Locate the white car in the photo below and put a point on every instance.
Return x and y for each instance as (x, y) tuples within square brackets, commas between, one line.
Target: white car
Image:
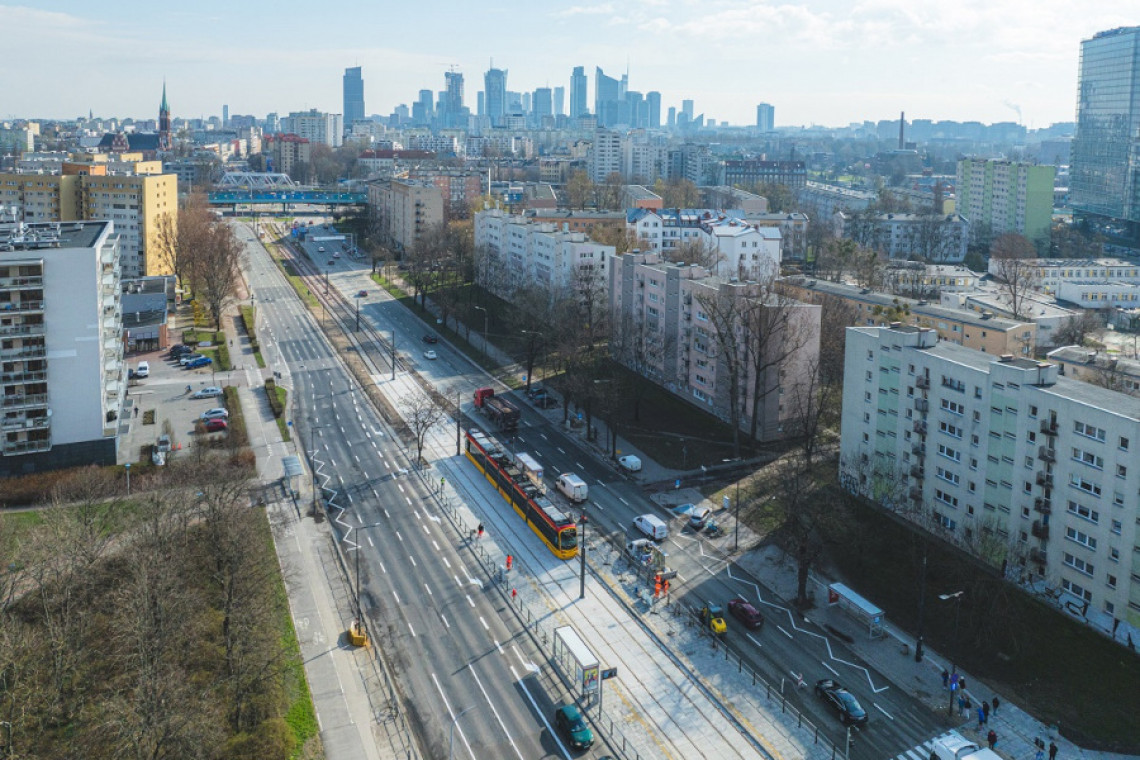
[(217, 413), (208, 392), (430, 354), (320, 249), (630, 463), (143, 370)]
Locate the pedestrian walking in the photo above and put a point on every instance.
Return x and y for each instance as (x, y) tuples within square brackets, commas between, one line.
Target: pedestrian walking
[(480, 530), (991, 737), (962, 705), (962, 683), (981, 718), (945, 678), (1052, 751), (986, 710), (997, 702), (1040, 754)]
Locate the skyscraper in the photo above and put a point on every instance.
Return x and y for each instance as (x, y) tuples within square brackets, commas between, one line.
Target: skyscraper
[(653, 98), (607, 97), (353, 96), (454, 114), (1105, 165), (765, 117), (578, 92), (495, 87), (542, 105), (559, 101)]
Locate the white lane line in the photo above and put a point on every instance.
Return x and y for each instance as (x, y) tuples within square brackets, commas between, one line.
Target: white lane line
[(370, 541), (884, 712), (383, 569), (433, 543), (781, 630), (446, 562), (525, 663), (428, 590), (399, 536), (599, 507), (457, 581), (541, 714), (544, 436), (500, 648), (425, 527), (410, 628), (401, 487), (580, 465), (397, 597), (754, 641), (407, 499), (561, 449), (451, 712), (357, 458), (484, 622), (386, 513), (444, 619), (623, 501), (470, 600), (412, 560), (833, 670), (491, 704)]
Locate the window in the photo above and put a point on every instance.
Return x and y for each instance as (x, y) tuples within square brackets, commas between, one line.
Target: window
[(1079, 564), (1114, 554), (1084, 539), (1084, 512), (973, 463), (1076, 481), (1118, 499), (1087, 457), (1089, 431), (953, 406), (1033, 412), (1123, 443), (948, 476), (1079, 591), (948, 429), (1111, 581), (1121, 471), (971, 487), (945, 521), (949, 453), (1117, 526)]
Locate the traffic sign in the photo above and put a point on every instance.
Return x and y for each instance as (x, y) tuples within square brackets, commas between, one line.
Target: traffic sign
[(609, 673)]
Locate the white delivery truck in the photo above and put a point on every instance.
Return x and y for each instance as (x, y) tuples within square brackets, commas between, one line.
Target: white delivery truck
[(652, 526), (573, 487)]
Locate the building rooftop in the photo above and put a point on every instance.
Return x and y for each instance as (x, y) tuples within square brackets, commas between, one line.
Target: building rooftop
[(38, 235)]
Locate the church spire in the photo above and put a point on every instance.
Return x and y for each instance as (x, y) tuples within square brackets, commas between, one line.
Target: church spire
[(164, 141), (163, 107)]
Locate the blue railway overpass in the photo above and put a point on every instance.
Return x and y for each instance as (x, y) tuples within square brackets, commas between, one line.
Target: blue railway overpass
[(285, 198)]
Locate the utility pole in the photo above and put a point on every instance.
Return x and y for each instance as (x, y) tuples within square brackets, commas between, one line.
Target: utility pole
[(393, 353), (458, 419), (921, 605), (582, 553)]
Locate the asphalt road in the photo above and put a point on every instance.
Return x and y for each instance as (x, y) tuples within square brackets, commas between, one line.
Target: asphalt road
[(442, 631)]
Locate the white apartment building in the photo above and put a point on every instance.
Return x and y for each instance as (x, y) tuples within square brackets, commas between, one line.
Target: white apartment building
[(1032, 472), (662, 329), (644, 160), (521, 252), (316, 126), (743, 251), (62, 376), (1051, 273), (937, 238), (1100, 294), (605, 155)]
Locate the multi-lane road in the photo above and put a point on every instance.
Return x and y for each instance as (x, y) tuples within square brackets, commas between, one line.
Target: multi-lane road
[(424, 594)]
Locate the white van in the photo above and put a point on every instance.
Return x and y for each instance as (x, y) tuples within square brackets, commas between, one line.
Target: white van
[(630, 463), (652, 526), (573, 487), (954, 746), (143, 370)]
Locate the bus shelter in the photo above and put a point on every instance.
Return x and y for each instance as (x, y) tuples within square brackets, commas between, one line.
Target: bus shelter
[(858, 608)]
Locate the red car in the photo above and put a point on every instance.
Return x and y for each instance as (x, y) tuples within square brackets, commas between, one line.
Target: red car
[(213, 426), (743, 611)]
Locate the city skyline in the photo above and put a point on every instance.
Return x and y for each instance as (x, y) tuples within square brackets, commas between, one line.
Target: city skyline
[(826, 62)]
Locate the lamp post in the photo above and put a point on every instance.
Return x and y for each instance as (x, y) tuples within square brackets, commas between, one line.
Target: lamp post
[(458, 419), (957, 597), (736, 538), (921, 605), (582, 553), (358, 312), (451, 732), (128, 466), (486, 318)]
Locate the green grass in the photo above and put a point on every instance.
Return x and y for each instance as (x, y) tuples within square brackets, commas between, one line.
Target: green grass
[(282, 398)]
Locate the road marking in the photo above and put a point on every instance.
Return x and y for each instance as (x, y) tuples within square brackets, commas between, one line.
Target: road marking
[(525, 663), (397, 597), (754, 641), (884, 712), (370, 541), (399, 536), (428, 590), (383, 569), (400, 486), (491, 704), (433, 543), (623, 501), (386, 514), (407, 499), (444, 619), (446, 562), (500, 648), (833, 670), (484, 622), (544, 436), (413, 630), (357, 458), (457, 581), (781, 630), (549, 729), (470, 600), (413, 560), (580, 465), (425, 527), (561, 449)]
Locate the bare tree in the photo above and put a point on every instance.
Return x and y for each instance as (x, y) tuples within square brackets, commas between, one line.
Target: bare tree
[(1074, 330), (677, 193), (800, 506), (216, 270), (579, 189), (181, 236), (1012, 258), (725, 312), (814, 405), (835, 316), (421, 414), (700, 251)]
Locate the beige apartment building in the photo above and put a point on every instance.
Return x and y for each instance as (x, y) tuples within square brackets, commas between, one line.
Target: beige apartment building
[(993, 335), (663, 330), (408, 210), (126, 192)]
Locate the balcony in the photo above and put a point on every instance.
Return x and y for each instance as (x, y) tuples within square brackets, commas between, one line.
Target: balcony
[(21, 283), (918, 450), (24, 352), (916, 494), (1046, 454), (920, 427), (922, 405), (26, 423), (1040, 530), (10, 378), (922, 381), (1049, 427), (1045, 479), (918, 471), (1038, 556), (1043, 505), (26, 447), (21, 307), (23, 402), (22, 329)]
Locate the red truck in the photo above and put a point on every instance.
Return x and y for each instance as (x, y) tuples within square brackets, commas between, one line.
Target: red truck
[(498, 410)]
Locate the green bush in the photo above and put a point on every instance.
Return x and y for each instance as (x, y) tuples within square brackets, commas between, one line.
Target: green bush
[(224, 356), (275, 396), (248, 318), (239, 436)]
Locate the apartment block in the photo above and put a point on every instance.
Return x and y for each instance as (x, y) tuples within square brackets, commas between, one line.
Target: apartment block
[(754, 171), (1030, 471), (522, 252), (1006, 196), (407, 209), (1051, 274), (931, 237), (286, 152), (316, 126), (980, 331), (134, 201), (605, 155), (62, 376), (662, 329)]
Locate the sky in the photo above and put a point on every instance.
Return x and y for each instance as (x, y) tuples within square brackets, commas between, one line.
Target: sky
[(822, 62)]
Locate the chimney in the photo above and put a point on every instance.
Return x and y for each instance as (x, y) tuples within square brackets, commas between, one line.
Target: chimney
[(902, 129)]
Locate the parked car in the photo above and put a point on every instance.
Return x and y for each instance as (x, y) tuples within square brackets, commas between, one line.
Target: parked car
[(742, 610), (217, 413), (699, 516), (430, 338), (211, 391), (536, 391), (179, 350), (569, 720), (362, 294), (158, 458), (201, 361), (187, 358), (851, 713), (163, 443), (143, 370), (546, 401), (320, 249), (216, 425), (430, 354), (630, 463)]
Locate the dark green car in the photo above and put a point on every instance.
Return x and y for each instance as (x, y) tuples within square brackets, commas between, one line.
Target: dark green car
[(571, 723)]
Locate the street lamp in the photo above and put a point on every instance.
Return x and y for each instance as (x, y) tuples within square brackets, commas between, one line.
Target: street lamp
[(582, 553), (957, 597), (486, 318), (128, 466), (451, 732)]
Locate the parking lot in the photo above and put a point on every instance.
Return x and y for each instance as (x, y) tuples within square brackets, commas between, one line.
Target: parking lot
[(164, 393)]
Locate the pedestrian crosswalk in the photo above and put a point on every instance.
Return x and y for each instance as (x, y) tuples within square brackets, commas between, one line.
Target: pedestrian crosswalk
[(922, 751)]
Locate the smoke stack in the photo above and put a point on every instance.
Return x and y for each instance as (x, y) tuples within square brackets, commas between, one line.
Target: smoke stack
[(902, 129)]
